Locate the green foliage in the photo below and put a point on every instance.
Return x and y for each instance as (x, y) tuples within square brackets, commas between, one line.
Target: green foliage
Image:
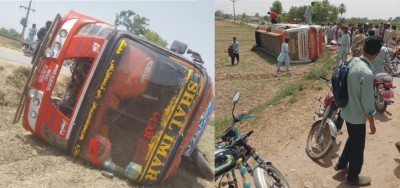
[(277, 7), (325, 12), (155, 37), (342, 9), (219, 13), (288, 90), (137, 25), (133, 22), (323, 67), (244, 18), (10, 33)]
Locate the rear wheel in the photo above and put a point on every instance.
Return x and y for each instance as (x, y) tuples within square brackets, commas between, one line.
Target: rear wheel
[(379, 103), (269, 176), (319, 144)]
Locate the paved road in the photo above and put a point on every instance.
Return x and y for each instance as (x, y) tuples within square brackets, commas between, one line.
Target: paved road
[(14, 56)]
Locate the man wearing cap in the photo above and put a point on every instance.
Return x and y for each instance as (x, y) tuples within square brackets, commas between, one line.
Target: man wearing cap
[(343, 45)]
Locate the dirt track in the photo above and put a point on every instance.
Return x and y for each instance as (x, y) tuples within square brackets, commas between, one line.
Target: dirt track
[(280, 131)]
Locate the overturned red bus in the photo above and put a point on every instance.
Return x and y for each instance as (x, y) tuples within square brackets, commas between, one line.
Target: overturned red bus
[(114, 99), (305, 41)]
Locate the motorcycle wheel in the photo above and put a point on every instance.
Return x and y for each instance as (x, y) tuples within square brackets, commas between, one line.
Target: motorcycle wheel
[(380, 106), (198, 164), (25, 49), (395, 69), (269, 176), (317, 149)]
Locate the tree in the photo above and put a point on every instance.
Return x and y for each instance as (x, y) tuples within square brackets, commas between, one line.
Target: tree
[(277, 7), (244, 18), (342, 9), (133, 22), (219, 13), (137, 25), (155, 37), (257, 15), (293, 13)]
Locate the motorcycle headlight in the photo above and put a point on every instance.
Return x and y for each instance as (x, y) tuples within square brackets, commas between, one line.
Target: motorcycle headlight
[(48, 52)]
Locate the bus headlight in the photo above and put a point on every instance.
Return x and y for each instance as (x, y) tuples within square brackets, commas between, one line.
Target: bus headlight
[(32, 93), (33, 114), (49, 52), (56, 46), (63, 33), (36, 102)]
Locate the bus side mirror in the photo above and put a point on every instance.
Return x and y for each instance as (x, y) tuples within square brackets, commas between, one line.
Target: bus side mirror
[(178, 47)]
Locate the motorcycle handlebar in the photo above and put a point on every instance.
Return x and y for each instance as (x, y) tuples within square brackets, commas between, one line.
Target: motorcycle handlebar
[(244, 144)]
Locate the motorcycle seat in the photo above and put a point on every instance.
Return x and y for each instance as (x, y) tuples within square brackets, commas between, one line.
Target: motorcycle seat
[(384, 77)]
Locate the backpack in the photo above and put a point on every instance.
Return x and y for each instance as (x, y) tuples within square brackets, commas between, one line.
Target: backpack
[(230, 51), (339, 83)]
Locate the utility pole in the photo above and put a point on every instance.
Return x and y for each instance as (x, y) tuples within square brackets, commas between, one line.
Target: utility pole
[(234, 15), (28, 9)]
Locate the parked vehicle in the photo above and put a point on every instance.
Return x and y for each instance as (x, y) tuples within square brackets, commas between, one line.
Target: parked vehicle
[(119, 101), (322, 136), (383, 83), (28, 48), (233, 152), (394, 62)]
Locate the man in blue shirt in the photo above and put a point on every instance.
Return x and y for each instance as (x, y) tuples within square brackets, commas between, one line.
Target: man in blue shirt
[(359, 109)]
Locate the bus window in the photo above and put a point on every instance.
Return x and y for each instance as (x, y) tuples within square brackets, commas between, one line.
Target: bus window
[(69, 83)]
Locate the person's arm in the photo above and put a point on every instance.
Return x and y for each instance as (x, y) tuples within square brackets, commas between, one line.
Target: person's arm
[(367, 92), (372, 127)]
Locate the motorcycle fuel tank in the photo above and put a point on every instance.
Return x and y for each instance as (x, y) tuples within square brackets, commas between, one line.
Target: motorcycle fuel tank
[(225, 160)]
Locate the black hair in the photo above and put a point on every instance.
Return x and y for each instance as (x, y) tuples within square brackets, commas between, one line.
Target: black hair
[(394, 27), (286, 39), (312, 3), (268, 13), (361, 30), (371, 33), (373, 45), (234, 37), (48, 23)]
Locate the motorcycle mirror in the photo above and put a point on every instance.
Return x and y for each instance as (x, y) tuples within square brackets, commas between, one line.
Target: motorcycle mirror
[(235, 98)]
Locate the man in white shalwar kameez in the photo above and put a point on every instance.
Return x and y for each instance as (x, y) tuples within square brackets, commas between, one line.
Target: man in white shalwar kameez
[(309, 13), (284, 55), (343, 46)]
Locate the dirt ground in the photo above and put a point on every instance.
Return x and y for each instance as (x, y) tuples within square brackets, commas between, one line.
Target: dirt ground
[(280, 131), (26, 161)]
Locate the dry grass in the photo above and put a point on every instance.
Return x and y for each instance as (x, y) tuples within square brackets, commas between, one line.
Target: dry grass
[(9, 43)]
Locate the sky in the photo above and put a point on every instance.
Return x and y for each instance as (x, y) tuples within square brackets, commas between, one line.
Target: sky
[(372, 9), (189, 21)]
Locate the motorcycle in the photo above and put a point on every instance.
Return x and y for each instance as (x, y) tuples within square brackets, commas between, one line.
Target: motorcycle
[(322, 136), (383, 83), (233, 152), (394, 62), (28, 48)]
